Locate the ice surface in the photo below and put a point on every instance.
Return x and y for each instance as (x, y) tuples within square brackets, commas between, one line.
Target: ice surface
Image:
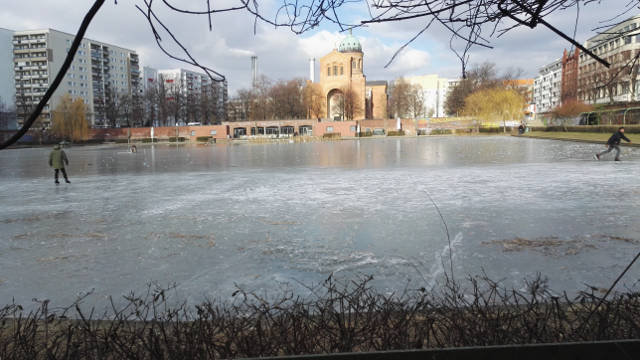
[(210, 218)]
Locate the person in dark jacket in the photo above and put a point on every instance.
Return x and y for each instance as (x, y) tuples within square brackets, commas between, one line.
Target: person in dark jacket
[(57, 160), (613, 144)]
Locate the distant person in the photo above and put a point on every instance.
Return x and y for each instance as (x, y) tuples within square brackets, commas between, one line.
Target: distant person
[(521, 129), (134, 148), (57, 160), (613, 143)]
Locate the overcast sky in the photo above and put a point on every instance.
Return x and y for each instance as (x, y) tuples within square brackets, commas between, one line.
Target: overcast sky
[(284, 55)]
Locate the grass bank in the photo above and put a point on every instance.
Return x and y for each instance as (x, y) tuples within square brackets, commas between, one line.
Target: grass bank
[(591, 137)]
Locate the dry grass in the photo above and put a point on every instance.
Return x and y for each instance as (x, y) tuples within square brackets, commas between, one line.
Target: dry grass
[(338, 317)]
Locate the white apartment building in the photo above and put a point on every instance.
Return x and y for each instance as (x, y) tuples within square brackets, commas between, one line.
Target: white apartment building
[(97, 68), (435, 90), (618, 45), (547, 87), (149, 78), (187, 80), (7, 84), (191, 87)]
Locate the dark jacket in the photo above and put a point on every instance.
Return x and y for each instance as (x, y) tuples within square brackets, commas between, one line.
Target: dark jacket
[(616, 137), (57, 158)]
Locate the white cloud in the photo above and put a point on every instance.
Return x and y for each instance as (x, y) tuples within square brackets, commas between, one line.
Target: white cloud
[(283, 55)]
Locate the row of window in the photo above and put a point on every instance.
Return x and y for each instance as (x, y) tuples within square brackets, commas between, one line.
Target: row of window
[(31, 55), (33, 72), (339, 69), (335, 70), (29, 37), (612, 45), (27, 46)]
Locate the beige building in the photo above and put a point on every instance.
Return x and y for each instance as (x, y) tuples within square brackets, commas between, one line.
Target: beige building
[(434, 93), (618, 45), (345, 86)]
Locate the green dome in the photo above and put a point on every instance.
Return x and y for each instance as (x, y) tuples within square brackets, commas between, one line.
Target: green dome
[(350, 44)]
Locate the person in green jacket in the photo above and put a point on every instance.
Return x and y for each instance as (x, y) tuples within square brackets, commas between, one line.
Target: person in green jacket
[(57, 160)]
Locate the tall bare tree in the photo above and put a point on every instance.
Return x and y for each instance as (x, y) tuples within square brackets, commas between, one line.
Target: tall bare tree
[(314, 101), (287, 99), (469, 22), (352, 103)]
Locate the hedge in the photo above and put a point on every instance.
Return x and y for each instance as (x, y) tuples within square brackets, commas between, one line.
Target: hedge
[(331, 136), (364, 134), (149, 140), (496, 129), (589, 128), (177, 139), (395, 133), (441, 132), (204, 138)]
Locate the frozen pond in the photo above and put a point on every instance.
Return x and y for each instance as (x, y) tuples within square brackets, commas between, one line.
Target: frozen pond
[(210, 218)]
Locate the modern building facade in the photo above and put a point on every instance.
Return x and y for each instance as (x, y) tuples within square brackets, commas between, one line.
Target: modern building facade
[(434, 91), (194, 96), (547, 87), (98, 69), (619, 83), (7, 83)]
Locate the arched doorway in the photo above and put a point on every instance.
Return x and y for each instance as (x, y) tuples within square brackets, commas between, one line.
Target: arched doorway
[(335, 105)]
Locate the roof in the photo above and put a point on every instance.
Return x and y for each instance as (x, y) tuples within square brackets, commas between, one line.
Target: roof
[(376, 83), (350, 44)]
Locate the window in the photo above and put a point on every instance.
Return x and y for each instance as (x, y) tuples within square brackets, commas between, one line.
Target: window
[(341, 70), (329, 129), (335, 70), (352, 128), (627, 40), (213, 132), (193, 133)]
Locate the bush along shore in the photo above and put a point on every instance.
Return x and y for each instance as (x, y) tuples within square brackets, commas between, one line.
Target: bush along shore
[(339, 317)]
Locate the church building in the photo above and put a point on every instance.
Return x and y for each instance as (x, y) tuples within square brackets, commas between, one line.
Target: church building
[(348, 94)]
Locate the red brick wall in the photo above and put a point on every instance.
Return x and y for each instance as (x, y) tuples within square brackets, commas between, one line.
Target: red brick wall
[(342, 127), (161, 132)]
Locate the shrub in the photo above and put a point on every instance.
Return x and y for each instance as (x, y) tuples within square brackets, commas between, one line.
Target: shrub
[(149, 140), (396, 133), (364, 134), (494, 129), (204, 138), (121, 141), (177, 139), (331, 136), (441, 132), (336, 316)]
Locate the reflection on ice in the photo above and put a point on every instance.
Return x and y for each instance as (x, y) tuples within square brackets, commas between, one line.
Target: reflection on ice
[(213, 218)]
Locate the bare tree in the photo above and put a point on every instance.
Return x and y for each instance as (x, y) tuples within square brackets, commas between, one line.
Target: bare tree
[(469, 22), (314, 101), (111, 105), (287, 99), (481, 76), (352, 104), (416, 101), (262, 105)]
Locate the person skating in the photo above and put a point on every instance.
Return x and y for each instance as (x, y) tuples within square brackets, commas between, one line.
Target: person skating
[(614, 144), (57, 160)]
